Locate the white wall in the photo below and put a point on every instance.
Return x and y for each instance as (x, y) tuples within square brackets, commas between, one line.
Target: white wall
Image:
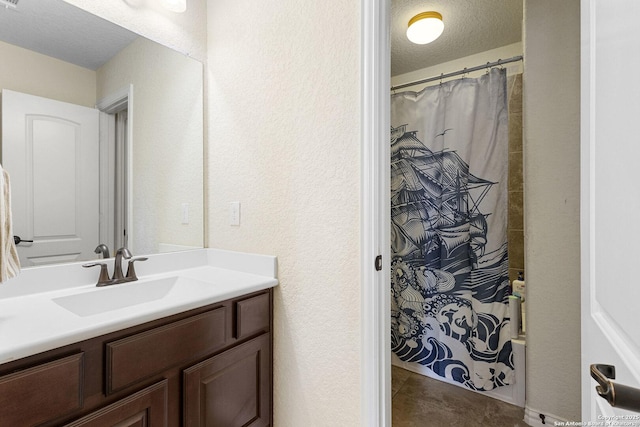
[(23, 70), (167, 120), (551, 101), (284, 120)]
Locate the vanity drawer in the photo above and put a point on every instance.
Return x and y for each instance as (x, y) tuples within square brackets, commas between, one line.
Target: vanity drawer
[(147, 407), (142, 355), (252, 316), (44, 392)]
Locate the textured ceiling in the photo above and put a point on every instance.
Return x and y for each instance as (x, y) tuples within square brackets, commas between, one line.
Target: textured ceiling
[(58, 29), (471, 26), (63, 31)]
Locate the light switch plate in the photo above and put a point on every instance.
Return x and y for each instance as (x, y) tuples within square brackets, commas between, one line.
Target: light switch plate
[(185, 213), (234, 213)]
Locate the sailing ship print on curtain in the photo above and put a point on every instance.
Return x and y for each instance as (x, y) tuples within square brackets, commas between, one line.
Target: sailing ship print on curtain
[(449, 289)]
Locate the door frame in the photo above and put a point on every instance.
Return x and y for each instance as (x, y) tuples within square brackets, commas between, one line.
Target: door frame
[(375, 383), (119, 100), (586, 187)]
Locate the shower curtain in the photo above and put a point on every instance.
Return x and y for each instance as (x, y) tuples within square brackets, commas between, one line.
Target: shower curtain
[(450, 284)]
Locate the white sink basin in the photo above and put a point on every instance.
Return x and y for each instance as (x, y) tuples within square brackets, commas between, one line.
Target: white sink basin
[(114, 297)]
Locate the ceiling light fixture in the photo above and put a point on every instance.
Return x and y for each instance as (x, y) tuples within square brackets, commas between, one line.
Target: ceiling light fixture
[(178, 6), (425, 27)]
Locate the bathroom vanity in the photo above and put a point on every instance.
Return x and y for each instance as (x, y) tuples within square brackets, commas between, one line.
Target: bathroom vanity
[(207, 362)]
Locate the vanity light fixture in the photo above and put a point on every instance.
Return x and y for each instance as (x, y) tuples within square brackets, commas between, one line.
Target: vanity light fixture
[(425, 27), (9, 4), (178, 6)]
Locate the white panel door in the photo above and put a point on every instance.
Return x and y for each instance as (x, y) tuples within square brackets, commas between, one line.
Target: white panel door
[(50, 149), (610, 205)]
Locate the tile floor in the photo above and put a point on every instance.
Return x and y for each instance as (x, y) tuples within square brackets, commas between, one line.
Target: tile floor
[(419, 401)]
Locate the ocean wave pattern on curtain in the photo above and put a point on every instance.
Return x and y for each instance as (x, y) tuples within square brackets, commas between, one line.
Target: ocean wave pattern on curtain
[(450, 284)]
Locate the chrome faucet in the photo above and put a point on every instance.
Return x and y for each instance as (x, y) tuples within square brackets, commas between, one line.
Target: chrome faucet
[(117, 277)]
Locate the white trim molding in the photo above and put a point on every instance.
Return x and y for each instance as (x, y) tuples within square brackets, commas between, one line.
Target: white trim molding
[(537, 419), (375, 228), (111, 104)]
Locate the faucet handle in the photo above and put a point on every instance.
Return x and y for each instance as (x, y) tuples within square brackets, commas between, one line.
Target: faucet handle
[(103, 279), (131, 272)]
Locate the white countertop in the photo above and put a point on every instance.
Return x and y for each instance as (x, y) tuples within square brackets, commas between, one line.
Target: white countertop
[(32, 322)]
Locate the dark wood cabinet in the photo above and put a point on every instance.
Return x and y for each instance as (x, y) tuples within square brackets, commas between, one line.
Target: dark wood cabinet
[(49, 390), (146, 408), (231, 389), (139, 356), (211, 366)]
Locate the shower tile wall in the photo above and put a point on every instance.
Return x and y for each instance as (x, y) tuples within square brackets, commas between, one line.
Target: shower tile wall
[(515, 226)]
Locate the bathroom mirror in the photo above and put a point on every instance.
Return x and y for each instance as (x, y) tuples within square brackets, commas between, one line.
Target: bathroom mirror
[(153, 98)]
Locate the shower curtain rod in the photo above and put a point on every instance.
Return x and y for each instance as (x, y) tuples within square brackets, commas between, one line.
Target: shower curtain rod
[(457, 73)]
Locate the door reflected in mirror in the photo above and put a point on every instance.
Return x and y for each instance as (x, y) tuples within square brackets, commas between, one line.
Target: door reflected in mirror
[(145, 181)]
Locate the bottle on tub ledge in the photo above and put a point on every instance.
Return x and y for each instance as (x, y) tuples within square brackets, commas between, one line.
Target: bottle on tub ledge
[(519, 291)]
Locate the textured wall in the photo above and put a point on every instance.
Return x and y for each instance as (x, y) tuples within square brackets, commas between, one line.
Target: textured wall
[(184, 32), (552, 205), (29, 72), (284, 140)]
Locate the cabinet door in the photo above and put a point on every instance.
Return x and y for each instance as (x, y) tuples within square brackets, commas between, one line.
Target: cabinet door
[(42, 393), (146, 408), (231, 389)]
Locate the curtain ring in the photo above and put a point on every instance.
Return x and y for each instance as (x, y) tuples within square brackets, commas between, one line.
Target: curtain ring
[(464, 73), (441, 75)]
